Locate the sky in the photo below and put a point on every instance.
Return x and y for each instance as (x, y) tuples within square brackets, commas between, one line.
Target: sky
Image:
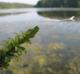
[(21, 1)]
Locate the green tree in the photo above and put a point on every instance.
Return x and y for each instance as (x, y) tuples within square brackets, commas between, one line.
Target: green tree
[(58, 3)]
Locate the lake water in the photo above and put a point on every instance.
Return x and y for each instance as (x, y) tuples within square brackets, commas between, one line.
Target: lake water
[(57, 43)]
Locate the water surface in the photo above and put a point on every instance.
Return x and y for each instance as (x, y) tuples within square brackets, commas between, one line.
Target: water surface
[(57, 43)]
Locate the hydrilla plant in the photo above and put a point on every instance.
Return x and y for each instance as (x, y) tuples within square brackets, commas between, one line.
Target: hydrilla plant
[(12, 47)]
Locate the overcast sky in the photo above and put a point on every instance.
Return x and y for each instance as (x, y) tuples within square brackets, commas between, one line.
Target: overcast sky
[(21, 1)]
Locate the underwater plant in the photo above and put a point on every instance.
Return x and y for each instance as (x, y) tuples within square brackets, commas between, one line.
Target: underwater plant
[(12, 46)]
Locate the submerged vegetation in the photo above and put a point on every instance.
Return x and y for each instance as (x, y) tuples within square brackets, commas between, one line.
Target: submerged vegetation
[(55, 59), (12, 47)]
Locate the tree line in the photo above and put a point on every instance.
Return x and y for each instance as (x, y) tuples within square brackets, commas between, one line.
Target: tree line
[(58, 3), (13, 5)]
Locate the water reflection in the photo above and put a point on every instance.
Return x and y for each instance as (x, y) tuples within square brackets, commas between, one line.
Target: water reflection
[(8, 14), (60, 14)]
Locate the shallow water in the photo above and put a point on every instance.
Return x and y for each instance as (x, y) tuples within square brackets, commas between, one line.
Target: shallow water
[(56, 38)]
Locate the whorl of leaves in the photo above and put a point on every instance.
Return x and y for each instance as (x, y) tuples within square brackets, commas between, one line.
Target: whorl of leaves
[(12, 47)]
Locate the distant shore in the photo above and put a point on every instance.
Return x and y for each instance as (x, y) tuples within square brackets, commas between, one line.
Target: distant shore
[(7, 5)]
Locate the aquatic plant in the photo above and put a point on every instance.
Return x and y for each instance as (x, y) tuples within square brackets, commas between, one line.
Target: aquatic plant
[(12, 47)]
